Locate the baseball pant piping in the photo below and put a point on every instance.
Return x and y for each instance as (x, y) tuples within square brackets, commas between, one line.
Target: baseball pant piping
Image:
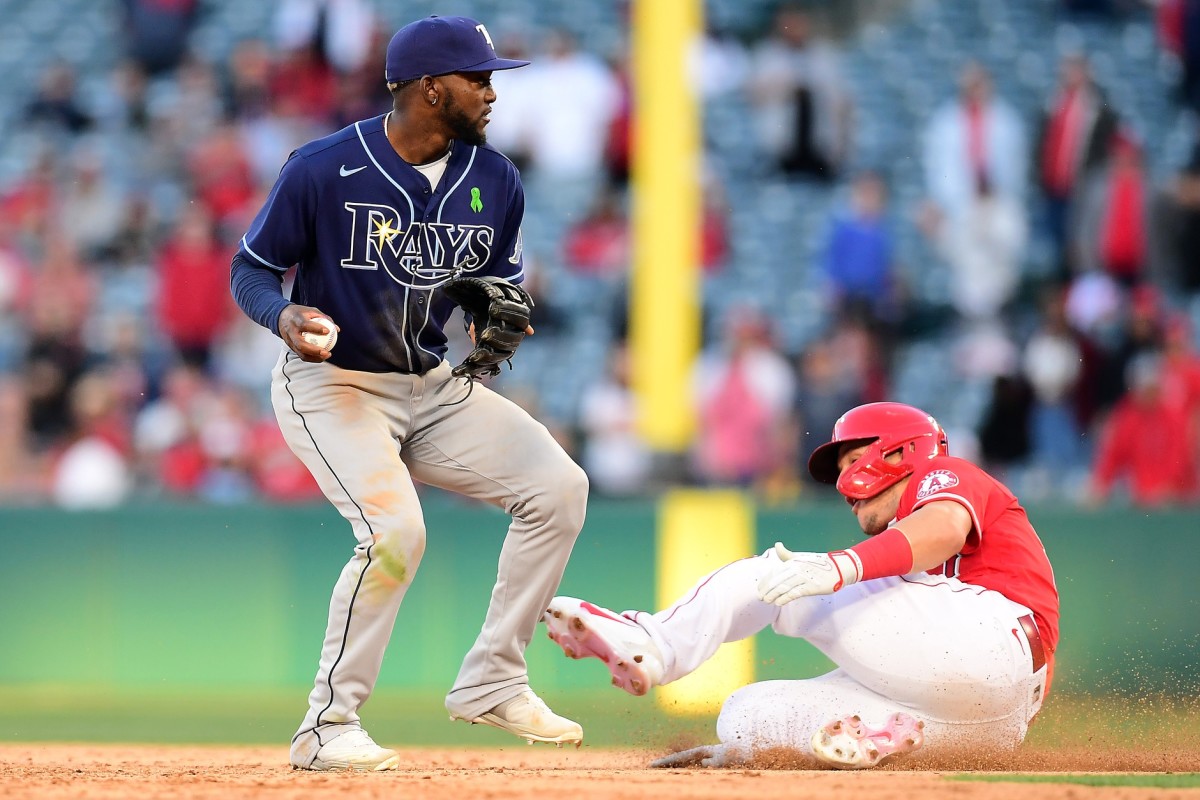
[(359, 469), (315, 729)]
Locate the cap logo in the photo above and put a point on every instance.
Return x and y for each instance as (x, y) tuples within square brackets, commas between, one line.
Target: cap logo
[(442, 45), (936, 481)]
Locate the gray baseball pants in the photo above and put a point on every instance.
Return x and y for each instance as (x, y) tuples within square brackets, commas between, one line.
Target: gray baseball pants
[(365, 437)]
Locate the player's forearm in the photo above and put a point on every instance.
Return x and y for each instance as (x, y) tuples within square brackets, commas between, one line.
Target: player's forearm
[(258, 292), (928, 537), (935, 532)]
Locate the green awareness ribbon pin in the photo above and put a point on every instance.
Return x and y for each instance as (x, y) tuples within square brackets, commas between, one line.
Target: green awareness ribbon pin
[(476, 203)]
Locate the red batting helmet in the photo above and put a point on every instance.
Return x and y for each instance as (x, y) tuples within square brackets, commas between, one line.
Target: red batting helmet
[(891, 428)]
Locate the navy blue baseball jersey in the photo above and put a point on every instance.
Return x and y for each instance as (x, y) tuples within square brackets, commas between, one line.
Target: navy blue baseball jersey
[(373, 242)]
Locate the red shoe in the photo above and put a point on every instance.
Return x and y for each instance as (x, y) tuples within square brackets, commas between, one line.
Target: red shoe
[(584, 630), (849, 744)]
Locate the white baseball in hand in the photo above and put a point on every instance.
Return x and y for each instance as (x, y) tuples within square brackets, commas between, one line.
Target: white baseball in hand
[(326, 340)]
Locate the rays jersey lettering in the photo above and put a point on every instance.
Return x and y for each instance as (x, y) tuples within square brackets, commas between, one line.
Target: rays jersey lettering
[(419, 255), (372, 241)]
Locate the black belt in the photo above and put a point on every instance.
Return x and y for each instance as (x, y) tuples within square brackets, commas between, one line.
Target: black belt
[(1037, 650)]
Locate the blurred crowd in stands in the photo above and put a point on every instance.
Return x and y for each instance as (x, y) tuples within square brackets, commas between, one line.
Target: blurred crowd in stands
[(127, 372)]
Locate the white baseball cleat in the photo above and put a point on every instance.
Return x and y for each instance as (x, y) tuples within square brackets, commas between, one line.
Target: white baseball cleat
[(584, 630), (847, 743), (355, 751), (528, 716)]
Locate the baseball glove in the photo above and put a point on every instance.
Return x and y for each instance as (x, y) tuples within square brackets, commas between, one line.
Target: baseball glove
[(500, 311)]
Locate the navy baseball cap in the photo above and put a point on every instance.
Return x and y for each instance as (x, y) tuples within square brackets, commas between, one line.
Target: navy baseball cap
[(441, 45)]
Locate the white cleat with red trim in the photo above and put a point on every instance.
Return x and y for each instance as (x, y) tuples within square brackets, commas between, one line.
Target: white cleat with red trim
[(584, 630), (848, 743)]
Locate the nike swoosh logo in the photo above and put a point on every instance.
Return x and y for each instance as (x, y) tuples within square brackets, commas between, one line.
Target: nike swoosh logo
[(600, 612), (346, 173)]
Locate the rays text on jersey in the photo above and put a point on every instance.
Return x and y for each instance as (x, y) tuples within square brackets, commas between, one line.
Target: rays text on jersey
[(421, 255)]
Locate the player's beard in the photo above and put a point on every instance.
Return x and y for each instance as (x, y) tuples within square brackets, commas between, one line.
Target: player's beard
[(873, 523), (462, 127), (875, 514)]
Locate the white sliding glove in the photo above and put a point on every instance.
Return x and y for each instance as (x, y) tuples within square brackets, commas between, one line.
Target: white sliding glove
[(805, 574)]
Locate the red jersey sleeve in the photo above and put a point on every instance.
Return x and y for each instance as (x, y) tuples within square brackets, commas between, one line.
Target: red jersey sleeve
[(1003, 552), (958, 481)]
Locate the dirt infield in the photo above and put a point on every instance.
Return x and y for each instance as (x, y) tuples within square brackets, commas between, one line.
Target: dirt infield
[(101, 772)]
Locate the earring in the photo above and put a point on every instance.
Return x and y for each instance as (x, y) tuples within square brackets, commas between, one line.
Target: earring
[(433, 101)]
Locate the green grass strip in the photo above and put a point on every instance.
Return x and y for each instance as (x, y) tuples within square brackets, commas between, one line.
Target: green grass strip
[(1174, 780), (269, 716)]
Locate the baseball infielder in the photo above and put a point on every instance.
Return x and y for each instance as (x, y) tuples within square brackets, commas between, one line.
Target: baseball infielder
[(377, 218), (943, 623)]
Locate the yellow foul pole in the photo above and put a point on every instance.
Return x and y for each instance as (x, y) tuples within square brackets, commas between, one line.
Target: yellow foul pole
[(698, 531), (665, 288)]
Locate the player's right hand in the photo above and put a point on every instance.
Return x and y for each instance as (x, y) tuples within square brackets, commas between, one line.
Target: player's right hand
[(295, 320), (803, 575)]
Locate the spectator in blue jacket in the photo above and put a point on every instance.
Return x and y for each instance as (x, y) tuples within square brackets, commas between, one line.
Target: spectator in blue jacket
[(859, 261)]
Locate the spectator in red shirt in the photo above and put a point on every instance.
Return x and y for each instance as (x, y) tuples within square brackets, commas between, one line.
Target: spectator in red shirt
[(193, 301), (1181, 377), (278, 475), (744, 391), (222, 174), (618, 146), (1113, 219), (27, 206), (1181, 365), (303, 80), (1144, 442), (1073, 140), (166, 432), (599, 244)]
